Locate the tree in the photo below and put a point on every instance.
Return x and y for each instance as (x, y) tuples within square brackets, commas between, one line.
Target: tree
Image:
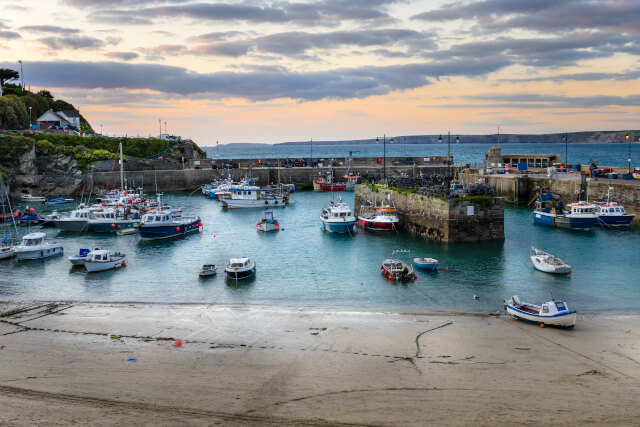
[(7, 74)]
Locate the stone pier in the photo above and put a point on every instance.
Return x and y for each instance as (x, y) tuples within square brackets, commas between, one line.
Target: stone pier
[(472, 219)]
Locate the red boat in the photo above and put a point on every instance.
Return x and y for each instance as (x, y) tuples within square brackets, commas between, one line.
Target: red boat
[(16, 214), (383, 217)]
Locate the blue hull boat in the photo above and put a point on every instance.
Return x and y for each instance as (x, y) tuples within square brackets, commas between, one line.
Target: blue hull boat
[(162, 226), (339, 227)]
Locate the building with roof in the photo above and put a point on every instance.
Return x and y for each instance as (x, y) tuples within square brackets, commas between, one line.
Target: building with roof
[(64, 119)]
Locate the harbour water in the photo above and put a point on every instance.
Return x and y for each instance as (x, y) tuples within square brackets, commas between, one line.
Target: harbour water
[(303, 266), (603, 154)]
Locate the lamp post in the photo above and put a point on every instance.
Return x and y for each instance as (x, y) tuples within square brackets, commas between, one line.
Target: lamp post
[(629, 158), (384, 154), (30, 117), (21, 75), (311, 155), (216, 148), (566, 150)]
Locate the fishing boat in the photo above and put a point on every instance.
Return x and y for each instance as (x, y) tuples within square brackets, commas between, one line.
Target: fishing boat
[(33, 246), (76, 221), (253, 198), (103, 260), (396, 269), (57, 201), (10, 216), (555, 313), (268, 222), (30, 198), (548, 263), (49, 219), (378, 218), (207, 270), (80, 257), (612, 214), (240, 268), (338, 218), (107, 221), (580, 216), (165, 225), (426, 263)]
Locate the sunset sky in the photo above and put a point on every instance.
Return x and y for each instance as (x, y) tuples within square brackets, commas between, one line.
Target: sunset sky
[(277, 71)]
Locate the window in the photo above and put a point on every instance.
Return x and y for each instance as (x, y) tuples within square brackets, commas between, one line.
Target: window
[(560, 306), (545, 309)]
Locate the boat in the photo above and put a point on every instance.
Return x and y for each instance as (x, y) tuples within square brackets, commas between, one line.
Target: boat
[(426, 263), (268, 222), (548, 263), (30, 198), (103, 260), (49, 220), (80, 257), (107, 221), (126, 231), (396, 269), (580, 216), (6, 251), (207, 270), (253, 198), (76, 221), (612, 214), (378, 218), (9, 217), (33, 246), (165, 225), (338, 218), (57, 201), (554, 313), (240, 268)]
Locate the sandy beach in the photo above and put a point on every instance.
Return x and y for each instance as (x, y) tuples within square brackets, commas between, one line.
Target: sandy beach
[(117, 363)]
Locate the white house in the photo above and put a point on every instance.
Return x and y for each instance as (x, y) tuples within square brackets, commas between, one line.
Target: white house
[(60, 119)]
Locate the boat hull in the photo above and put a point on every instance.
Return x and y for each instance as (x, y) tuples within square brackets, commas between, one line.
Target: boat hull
[(6, 252), (239, 275), (77, 259), (332, 187), (37, 253), (565, 320), (240, 203), (267, 226), (369, 224), (112, 264), (564, 221), (615, 220), (156, 232), (338, 227), (73, 225), (539, 265), (112, 226), (425, 265)]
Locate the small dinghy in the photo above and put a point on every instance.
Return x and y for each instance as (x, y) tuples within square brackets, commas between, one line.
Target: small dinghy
[(396, 269), (125, 231), (426, 263), (207, 270), (80, 257), (57, 201), (548, 263), (553, 313), (103, 260)]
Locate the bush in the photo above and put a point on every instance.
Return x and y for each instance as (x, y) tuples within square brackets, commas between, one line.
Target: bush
[(44, 148)]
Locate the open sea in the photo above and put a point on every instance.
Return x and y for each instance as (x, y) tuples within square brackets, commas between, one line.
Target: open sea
[(303, 266)]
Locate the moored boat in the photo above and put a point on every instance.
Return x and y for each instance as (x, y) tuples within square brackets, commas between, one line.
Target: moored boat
[(207, 270), (79, 258), (76, 221), (57, 201), (33, 246), (397, 269), (107, 221), (30, 198), (378, 218), (426, 263), (240, 268), (103, 260), (612, 214), (555, 313), (253, 198), (164, 225), (268, 222), (548, 263), (338, 218), (580, 216)]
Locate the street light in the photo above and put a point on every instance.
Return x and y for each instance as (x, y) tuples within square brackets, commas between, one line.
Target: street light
[(30, 117), (21, 74), (384, 145), (629, 158), (216, 148), (566, 152)]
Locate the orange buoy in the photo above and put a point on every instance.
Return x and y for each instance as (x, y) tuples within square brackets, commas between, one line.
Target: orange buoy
[(124, 263), (542, 325), (390, 277), (177, 343)]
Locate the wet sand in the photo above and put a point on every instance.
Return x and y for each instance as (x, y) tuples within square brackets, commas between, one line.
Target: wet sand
[(68, 363)]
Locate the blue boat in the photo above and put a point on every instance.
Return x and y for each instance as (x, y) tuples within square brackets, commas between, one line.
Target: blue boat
[(57, 201), (613, 215), (581, 215), (163, 225), (338, 218), (426, 263)]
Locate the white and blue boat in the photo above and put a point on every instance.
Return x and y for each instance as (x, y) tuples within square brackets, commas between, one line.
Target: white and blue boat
[(613, 215), (338, 218), (164, 225), (253, 197), (57, 201), (426, 263), (554, 313), (580, 216), (107, 221)]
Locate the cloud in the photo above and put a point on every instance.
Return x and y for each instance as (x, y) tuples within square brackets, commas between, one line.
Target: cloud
[(257, 85), (543, 101), (593, 76), (125, 56), (76, 42), (158, 52), (50, 29), (9, 35)]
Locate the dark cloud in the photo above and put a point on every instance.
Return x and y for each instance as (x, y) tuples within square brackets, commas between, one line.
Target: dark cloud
[(76, 42), (594, 76), (542, 15), (9, 35), (216, 36), (256, 85), (125, 56), (50, 29), (540, 101)]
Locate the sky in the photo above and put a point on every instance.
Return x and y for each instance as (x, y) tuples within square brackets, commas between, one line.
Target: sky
[(276, 71)]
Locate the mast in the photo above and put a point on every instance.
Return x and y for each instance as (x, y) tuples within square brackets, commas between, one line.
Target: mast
[(121, 169)]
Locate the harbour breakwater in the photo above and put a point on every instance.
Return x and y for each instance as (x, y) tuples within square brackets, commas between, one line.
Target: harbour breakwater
[(470, 219)]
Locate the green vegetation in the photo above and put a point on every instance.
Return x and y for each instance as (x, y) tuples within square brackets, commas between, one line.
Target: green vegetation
[(403, 190), (483, 201)]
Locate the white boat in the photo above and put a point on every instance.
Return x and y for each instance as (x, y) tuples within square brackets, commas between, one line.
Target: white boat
[(102, 260), (554, 313), (240, 268), (268, 223), (396, 269), (253, 198), (6, 251), (80, 257), (426, 263), (30, 198), (338, 218), (33, 246), (207, 270), (548, 263), (126, 231), (76, 221)]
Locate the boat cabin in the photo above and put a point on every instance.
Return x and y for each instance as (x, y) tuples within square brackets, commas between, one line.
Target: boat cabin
[(610, 209), (99, 255), (79, 214), (33, 239), (239, 262), (554, 307), (582, 208), (156, 218), (105, 214), (341, 210)]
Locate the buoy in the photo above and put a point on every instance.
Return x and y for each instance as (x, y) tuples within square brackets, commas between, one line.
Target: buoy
[(124, 263), (415, 276), (542, 325), (113, 225), (119, 227), (177, 228), (214, 235), (115, 267), (200, 224), (390, 277), (177, 343)]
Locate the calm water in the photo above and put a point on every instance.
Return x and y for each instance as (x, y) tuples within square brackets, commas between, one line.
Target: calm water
[(302, 266), (604, 154)]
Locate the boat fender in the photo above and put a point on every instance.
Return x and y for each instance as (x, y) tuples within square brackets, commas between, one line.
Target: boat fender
[(542, 325), (177, 228), (390, 277), (124, 263), (415, 277)]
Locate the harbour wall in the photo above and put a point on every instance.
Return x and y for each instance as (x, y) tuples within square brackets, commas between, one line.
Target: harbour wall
[(302, 177), (451, 220), (523, 189)]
